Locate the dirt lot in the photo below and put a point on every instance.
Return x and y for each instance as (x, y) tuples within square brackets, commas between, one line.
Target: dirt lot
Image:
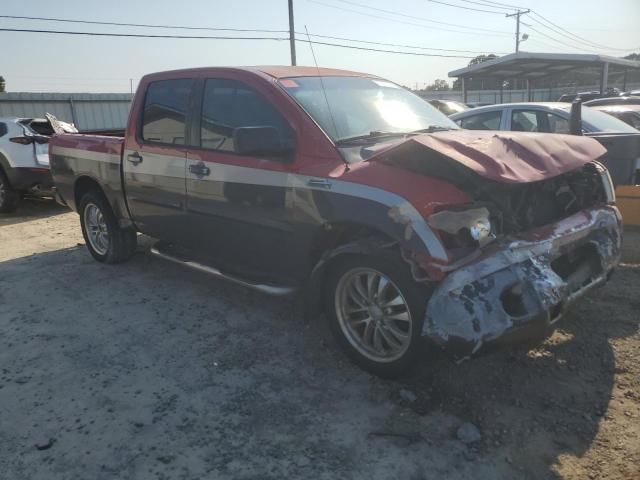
[(146, 370)]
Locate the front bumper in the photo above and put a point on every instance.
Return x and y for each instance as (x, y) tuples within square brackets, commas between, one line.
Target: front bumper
[(521, 285)]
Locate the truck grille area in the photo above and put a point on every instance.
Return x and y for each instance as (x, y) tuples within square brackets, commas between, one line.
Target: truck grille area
[(519, 208)]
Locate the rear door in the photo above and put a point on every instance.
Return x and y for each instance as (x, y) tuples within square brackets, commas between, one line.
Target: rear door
[(239, 206), (154, 162)]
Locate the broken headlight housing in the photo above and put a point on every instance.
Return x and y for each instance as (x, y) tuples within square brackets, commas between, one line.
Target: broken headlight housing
[(463, 230), (607, 183)]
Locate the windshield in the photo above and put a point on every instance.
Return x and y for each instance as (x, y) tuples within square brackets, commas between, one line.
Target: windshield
[(603, 122), (359, 107)]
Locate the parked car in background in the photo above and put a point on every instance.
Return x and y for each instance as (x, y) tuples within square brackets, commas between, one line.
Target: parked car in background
[(448, 107), (548, 117), (584, 96), (621, 139), (477, 104), (629, 113), (622, 100), (24, 160), (356, 192)]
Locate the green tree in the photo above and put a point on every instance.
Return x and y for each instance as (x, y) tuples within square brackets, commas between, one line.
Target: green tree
[(2, 84), (438, 85)]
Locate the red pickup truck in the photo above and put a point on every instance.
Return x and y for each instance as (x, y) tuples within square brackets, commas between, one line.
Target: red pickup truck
[(354, 191)]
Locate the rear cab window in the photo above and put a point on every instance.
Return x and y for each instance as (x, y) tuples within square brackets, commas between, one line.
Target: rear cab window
[(230, 104), (164, 117)]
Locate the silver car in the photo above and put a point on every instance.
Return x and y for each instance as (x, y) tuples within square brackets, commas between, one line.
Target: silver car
[(547, 117)]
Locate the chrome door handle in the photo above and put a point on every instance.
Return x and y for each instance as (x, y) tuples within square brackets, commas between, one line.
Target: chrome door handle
[(319, 182), (134, 158)]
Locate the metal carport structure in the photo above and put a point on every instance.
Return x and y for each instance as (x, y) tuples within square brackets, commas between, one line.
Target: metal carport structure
[(536, 66)]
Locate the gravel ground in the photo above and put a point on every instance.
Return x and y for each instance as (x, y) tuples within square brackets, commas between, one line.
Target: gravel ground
[(146, 370)]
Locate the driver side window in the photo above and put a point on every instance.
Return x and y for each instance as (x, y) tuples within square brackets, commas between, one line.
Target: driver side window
[(229, 104)]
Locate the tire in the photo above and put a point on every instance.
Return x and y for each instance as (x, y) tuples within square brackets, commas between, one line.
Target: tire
[(9, 198), (105, 239), (395, 310)]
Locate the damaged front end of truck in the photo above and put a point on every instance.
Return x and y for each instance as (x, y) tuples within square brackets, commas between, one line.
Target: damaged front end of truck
[(540, 231)]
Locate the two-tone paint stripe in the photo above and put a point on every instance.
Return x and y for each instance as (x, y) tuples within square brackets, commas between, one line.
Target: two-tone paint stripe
[(221, 172)]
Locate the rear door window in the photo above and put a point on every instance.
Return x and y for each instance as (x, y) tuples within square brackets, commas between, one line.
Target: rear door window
[(526, 121), (229, 104), (483, 121), (558, 124), (165, 111)]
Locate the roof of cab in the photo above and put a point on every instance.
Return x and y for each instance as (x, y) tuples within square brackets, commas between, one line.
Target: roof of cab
[(283, 71), (274, 71)]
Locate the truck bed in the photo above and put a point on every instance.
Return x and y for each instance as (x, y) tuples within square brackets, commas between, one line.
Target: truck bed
[(87, 158)]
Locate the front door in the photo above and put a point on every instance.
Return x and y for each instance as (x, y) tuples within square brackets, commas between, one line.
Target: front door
[(239, 207), (154, 163)]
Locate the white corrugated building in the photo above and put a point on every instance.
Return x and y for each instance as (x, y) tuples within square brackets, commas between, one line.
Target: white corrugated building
[(88, 111)]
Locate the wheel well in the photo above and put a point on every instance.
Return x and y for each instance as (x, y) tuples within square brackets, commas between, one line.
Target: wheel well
[(333, 235), (84, 185)]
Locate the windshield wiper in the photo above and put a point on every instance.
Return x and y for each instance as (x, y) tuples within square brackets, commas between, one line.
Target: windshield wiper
[(370, 135), (381, 134), (431, 129)]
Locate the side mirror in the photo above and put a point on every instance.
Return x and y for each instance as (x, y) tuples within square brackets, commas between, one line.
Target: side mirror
[(260, 141)]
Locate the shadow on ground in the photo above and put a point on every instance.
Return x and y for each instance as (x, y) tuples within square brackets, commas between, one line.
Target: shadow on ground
[(146, 370), (32, 208)]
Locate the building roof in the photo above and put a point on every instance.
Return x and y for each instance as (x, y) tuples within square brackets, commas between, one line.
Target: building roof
[(538, 65)]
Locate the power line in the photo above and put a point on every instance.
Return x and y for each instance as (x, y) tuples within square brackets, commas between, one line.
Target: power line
[(381, 50), (484, 4), (139, 35), (397, 44), (582, 40), (554, 26), (145, 25), (561, 42), (465, 8), (202, 37), (415, 17), (487, 33)]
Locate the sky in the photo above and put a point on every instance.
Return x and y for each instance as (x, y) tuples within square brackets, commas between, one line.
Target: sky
[(39, 62)]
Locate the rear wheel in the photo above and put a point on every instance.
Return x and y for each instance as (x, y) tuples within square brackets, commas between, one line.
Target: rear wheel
[(106, 240), (9, 198), (376, 311)]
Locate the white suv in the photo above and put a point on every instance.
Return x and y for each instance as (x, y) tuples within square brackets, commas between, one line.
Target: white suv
[(24, 160)]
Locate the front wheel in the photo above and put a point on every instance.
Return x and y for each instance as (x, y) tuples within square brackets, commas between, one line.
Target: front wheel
[(106, 240), (376, 311)]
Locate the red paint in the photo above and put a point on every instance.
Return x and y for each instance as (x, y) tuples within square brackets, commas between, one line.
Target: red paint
[(508, 157), (504, 157)]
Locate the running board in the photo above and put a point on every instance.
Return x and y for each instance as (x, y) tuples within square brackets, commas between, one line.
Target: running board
[(268, 289)]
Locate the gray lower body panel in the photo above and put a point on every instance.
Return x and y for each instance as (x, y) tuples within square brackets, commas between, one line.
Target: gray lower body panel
[(524, 284)]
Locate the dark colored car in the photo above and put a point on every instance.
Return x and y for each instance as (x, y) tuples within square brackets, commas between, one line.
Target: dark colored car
[(356, 193), (584, 96), (448, 107), (624, 100), (628, 113)]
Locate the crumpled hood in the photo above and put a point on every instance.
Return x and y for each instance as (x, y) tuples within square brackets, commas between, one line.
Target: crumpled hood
[(509, 157)]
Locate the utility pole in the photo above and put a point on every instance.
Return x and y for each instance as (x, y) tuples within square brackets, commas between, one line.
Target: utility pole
[(517, 15), (292, 34)]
